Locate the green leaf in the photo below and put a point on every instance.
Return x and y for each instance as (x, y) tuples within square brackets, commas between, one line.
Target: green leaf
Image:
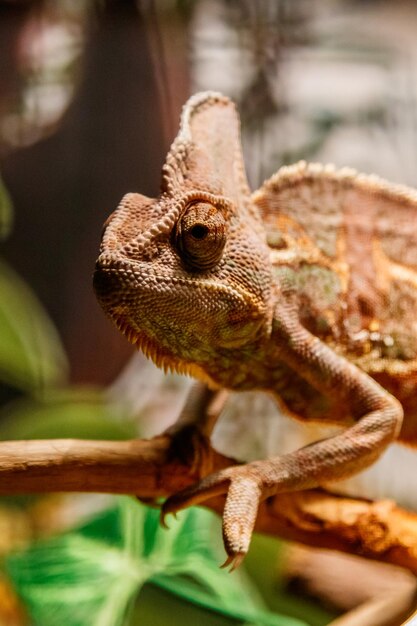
[(31, 354), (75, 581), (81, 413), (6, 212), (92, 575)]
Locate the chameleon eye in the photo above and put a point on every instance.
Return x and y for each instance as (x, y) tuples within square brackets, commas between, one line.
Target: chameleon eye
[(201, 236)]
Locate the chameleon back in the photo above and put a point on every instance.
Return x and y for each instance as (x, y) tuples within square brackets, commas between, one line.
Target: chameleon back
[(349, 244)]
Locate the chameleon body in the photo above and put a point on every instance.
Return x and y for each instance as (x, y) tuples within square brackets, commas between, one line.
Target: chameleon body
[(305, 289)]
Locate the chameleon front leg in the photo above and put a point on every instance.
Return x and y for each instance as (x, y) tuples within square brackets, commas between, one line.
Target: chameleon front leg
[(190, 434), (377, 416)]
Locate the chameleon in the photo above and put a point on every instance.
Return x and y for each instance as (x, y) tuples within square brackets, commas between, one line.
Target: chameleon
[(305, 289)]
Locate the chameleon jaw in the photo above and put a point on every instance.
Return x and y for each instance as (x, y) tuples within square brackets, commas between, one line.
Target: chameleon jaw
[(160, 356)]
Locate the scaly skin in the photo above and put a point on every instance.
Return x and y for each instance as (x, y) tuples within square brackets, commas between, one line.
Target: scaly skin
[(306, 289)]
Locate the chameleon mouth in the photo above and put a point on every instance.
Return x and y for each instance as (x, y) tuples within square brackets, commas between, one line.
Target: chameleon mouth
[(160, 356)]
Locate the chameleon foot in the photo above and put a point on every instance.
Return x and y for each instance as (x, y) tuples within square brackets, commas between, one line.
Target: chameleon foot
[(191, 447), (243, 487)]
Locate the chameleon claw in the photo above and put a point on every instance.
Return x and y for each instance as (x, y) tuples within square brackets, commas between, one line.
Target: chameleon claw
[(162, 520), (237, 560), (233, 560), (164, 514), (227, 562)]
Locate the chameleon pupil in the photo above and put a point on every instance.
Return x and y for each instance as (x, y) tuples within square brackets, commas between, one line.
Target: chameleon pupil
[(199, 231)]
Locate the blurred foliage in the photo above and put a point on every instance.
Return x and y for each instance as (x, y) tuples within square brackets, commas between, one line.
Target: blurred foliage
[(32, 357), (31, 354), (69, 412), (91, 575)]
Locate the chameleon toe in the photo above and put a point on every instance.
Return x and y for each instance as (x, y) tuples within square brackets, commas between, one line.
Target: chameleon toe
[(233, 561)]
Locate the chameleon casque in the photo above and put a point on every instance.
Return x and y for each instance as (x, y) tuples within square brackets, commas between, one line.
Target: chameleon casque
[(305, 289)]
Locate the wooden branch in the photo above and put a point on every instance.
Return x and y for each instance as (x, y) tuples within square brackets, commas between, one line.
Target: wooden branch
[(377, 530)]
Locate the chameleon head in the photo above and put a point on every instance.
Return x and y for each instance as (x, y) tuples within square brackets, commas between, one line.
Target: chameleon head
[(184, 279), (187, 276)]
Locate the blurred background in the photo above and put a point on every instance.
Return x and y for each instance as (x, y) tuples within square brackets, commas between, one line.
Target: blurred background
[(90, 98)]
